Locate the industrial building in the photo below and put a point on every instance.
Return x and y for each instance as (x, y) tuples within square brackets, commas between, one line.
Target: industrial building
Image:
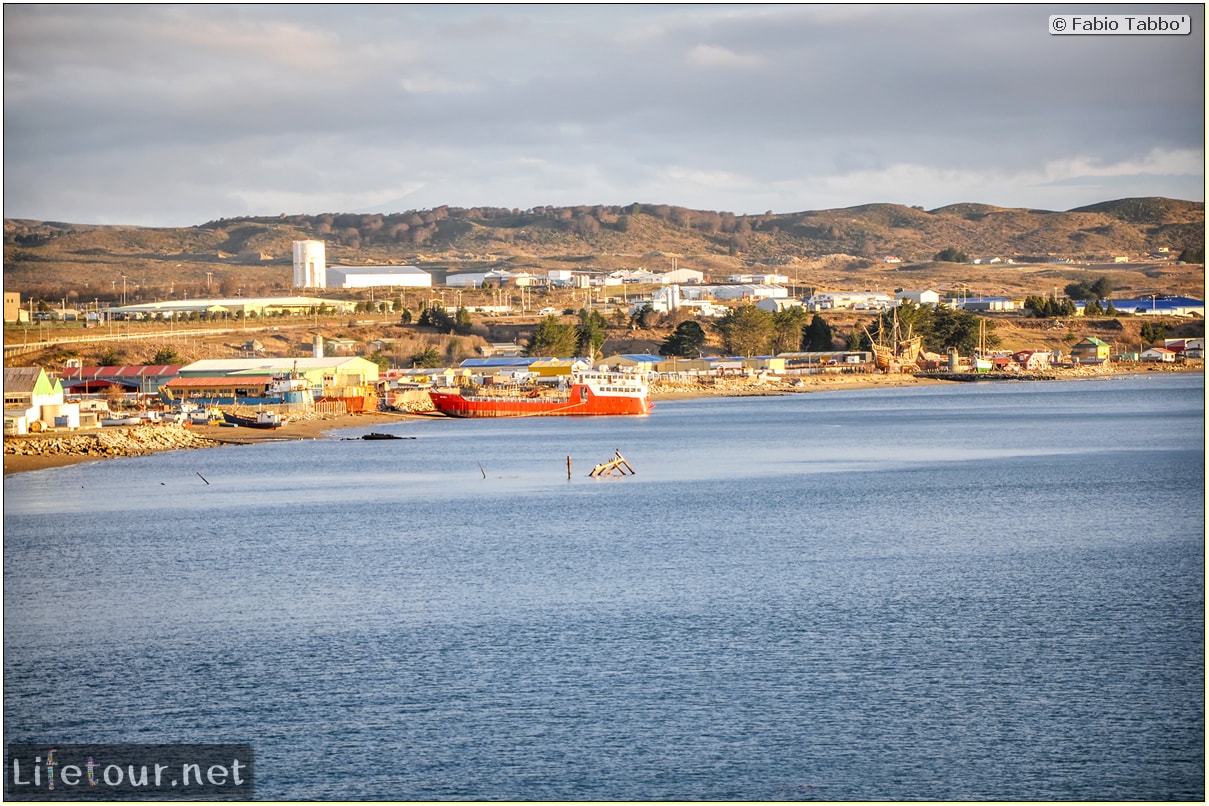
[(239, 306), (378, 276), (321, 372)]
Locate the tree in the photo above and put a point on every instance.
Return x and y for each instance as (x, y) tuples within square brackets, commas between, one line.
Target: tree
[(959, 330), (951, 255), (746, 330), (1193, 255), (818, 337), (686, 340), (111, 357), (461, 322), (552, 338), (1100, 288), (426, 358), (437, 317), (166, 356), (590, 333), (380, 359), (644, 317), (1153, 332), (788, 325)]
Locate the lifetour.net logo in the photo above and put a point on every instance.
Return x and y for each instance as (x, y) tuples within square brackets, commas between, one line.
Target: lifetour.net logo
[(74, 772)]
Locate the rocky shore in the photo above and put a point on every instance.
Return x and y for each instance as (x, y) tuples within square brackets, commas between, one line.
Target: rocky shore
[(28, 452), (123, 441)]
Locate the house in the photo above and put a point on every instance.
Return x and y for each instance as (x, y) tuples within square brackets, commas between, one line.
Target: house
[(1189, 348), (1090, 351), (1160, 354), (1033, 360), (12, 308), (32, 401), (341, 346)]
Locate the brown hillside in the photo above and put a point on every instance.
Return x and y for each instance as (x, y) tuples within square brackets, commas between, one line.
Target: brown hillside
[(822, 248)]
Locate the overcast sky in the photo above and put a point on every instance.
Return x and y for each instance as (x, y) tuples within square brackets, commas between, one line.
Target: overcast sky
[(177, 115)]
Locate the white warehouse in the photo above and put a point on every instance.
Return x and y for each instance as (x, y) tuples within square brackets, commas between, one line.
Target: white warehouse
[(375, 276)]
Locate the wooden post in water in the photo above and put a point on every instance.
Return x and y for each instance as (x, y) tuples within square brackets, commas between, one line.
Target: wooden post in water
[(568, 467)]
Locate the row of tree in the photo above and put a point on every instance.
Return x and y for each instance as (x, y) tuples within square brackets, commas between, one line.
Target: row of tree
[(745, 330)]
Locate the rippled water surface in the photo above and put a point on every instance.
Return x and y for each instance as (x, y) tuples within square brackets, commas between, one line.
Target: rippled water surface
[(959, 592)]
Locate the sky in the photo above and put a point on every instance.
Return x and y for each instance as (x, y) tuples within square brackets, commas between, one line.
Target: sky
[(165, 116)]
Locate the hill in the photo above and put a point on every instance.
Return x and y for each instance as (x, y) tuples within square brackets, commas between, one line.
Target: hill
[(252, 255)]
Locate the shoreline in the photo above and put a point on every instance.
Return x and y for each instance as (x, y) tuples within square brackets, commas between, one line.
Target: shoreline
[(319, 427)]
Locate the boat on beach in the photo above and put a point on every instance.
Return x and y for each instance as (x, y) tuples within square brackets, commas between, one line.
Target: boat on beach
[(116, 419), (263, 419), (590, 392)]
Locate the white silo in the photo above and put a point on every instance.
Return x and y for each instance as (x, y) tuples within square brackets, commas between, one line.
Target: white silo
[(317, 348), (310, 264)]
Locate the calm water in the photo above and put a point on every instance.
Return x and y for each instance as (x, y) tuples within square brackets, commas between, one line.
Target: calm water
[(960, 592)]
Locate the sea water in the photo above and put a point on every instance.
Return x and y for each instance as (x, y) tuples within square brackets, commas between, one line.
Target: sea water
[(965, 592)]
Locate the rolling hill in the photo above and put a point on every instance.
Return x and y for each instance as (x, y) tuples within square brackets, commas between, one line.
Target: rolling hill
[(253, 255)]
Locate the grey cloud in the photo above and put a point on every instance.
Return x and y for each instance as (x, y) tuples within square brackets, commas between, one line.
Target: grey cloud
[(575, 104)]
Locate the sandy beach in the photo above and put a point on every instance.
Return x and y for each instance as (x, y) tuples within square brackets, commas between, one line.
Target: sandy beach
[(320, 428)]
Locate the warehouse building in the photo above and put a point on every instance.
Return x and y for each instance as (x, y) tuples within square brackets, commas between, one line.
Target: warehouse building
[(377, 276), (240, 306)]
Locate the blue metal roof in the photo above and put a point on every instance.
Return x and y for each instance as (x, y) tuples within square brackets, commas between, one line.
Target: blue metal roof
[(499, 361)]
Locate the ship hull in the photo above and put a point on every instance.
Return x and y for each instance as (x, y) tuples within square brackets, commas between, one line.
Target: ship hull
[(580, 403), (250, 422)]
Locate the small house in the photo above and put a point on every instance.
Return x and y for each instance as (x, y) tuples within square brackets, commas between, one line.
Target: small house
[(1159, 354), (1090, 351), (1033, 360)]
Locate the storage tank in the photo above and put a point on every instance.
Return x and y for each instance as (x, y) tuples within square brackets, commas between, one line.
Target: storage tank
[(317, 350), (310, 264)]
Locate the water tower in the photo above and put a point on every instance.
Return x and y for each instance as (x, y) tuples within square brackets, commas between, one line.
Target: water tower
[(310, 264)]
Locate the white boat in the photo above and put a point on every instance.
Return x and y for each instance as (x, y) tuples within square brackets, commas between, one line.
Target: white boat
[(116, 420)]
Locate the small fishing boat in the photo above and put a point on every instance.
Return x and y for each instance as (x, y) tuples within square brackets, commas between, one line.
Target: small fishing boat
[(119, 420), (263, 419)]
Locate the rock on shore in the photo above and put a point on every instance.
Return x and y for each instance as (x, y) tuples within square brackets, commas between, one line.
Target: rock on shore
[(122, 441)]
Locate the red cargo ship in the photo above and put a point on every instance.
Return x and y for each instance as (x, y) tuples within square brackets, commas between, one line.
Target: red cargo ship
[(591, 392)]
